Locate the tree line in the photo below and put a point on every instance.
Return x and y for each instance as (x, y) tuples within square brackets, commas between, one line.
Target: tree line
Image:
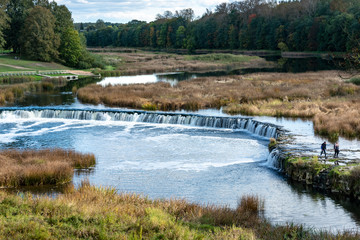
[(295, 25), (44, 31)]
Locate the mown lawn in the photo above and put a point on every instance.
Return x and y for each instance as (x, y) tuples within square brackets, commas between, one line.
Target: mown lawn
[(26, 65)]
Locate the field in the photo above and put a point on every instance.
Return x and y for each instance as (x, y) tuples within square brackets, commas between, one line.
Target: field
[(8, 63)]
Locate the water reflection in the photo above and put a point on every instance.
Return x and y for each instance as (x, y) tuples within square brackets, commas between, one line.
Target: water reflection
[(293, 65)]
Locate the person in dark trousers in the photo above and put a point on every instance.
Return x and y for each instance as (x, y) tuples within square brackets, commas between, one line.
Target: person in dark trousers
[(323, 149), (336, 150)]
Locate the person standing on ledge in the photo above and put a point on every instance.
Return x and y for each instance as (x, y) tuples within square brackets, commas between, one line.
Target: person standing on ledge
[(323, 149), (336, 150)]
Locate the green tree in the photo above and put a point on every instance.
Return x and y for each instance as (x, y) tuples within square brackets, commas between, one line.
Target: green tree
[(63, 18), (4, 21), (180, 37), (16, 10), (70, 49), (39, 41)]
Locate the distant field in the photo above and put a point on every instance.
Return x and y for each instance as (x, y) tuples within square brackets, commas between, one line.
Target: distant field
[(8, 63), (220, 58)]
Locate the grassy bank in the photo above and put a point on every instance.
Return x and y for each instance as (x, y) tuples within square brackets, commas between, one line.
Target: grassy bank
[(12, 63), (13, 92), (332, 103), (29, 168), (342, 179), (101, 213)]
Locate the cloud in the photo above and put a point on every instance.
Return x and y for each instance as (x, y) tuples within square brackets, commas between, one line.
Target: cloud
[(123, 11)]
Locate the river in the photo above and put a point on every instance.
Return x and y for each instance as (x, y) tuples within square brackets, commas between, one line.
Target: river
[(206, 164)]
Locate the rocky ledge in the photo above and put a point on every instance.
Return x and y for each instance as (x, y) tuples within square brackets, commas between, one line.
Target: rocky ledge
[(341, 178)]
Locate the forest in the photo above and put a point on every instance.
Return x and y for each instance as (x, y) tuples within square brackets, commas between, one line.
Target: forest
[(295, 25), (42, 30)]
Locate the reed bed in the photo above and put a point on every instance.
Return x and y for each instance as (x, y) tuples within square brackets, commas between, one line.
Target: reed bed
[(12, 93), (100, 213), (43, 167), (332, 103), (146, 63)]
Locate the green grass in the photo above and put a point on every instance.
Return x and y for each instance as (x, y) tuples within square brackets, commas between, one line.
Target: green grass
[(109, 68), (355, 80), (220, 58), (100, 213), (27, 65)]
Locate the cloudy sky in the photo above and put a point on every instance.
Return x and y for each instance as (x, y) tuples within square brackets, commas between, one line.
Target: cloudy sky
[(123, 11)]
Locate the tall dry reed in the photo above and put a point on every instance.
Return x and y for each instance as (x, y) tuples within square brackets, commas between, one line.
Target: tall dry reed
[(323, 96), (29, 168)]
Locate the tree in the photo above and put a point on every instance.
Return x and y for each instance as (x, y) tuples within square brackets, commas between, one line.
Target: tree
[(63, 18), (100, 24), (70, 49), (16, 10), (39, 41), (180, 37), (4, 21)]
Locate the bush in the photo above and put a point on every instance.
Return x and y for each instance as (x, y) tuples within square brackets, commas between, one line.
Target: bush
[(355, 80)]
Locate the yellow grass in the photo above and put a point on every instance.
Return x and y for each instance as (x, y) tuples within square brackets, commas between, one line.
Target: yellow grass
[(28, 168), (323, 96)]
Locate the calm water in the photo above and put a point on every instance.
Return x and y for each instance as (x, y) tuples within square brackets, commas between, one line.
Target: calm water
[(294, 65)]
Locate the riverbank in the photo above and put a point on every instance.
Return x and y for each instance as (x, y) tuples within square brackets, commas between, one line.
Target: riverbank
[(93, 212)]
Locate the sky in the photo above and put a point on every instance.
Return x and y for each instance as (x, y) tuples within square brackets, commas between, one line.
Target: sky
[(123, 11)]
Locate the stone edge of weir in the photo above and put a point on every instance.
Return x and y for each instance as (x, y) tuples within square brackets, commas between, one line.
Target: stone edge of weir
[(280, 158)]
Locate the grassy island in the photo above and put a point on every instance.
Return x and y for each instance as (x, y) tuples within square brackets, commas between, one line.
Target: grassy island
[(44, 167)]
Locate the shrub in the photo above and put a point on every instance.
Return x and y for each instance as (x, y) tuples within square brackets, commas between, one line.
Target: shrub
[(355, 80)]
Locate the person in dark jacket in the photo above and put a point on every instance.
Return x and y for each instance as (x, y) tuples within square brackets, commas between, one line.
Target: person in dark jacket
[(323, 149), (336, 150)]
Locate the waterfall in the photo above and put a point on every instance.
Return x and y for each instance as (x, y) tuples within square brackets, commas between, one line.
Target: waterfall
[(273, 160), (259, 128)]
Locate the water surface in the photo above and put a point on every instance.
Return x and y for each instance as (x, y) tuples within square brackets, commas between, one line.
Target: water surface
[(202, 165)]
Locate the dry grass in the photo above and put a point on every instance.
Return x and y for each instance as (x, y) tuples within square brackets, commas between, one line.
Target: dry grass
[(11, 93), (101, 213), (28, 168), (145, 62), (323, 96)]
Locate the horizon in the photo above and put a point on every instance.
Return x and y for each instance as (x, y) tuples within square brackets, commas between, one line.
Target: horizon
[(124, 11)]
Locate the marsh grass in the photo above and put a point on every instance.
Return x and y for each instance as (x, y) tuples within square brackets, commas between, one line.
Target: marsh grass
[(220, 58), (322, 96), (101, 213), (139, 62), (13, 92), (33, 168)]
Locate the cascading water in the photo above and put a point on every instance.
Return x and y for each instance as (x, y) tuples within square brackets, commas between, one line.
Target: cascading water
[(255, 127), (273, 159)]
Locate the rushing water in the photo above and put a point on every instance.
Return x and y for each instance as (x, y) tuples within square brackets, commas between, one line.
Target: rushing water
[(203, 164)]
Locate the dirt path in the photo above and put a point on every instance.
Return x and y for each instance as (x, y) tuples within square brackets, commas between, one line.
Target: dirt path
[(13, 66), (79, 72)]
